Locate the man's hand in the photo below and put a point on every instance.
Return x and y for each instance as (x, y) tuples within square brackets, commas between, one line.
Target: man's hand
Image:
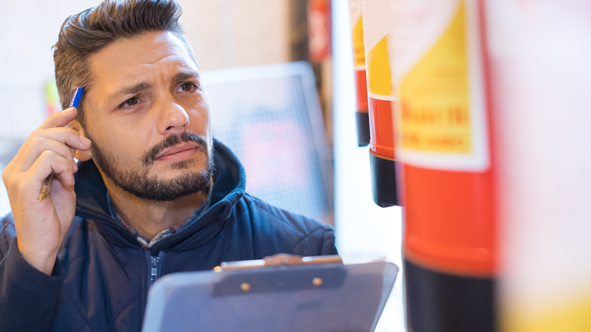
[(41, 225)]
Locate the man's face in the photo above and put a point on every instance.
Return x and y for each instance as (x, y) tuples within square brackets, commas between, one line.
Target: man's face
[(147, 115)]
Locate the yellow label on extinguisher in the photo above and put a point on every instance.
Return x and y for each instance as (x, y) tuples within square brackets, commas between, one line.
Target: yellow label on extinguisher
[(441, 118), (376, 26), (379, 73), (358, 48), (434, 96)]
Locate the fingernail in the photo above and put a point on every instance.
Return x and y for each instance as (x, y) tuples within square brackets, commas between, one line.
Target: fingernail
[(84, 140)]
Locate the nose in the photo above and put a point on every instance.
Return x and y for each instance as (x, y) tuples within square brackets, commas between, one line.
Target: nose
[(173, 118)]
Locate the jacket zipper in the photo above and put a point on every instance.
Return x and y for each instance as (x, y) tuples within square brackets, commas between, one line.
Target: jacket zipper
[(154, 269)]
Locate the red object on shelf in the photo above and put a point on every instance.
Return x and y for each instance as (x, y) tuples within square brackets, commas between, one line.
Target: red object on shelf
[(361, 90), (446, 144), (450, 220), (319, 30), (381, 128), (376, 29), (446, 153)]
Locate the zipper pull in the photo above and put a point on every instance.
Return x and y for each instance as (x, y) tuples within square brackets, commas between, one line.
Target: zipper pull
[(154, 273)]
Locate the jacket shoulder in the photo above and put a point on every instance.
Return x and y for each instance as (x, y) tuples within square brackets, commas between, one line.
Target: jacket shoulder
[(276, 230), (7, 233)]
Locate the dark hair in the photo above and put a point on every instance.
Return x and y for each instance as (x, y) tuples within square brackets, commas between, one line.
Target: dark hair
[(88, 32)]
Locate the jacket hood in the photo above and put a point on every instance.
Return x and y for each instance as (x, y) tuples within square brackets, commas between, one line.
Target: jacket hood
[(229, 183)]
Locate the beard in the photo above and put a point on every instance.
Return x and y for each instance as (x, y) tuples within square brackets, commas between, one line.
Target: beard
[(137, 182)]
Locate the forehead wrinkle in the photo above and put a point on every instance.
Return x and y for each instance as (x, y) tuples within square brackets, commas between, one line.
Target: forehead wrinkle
[(165, 58), (168, 51), (167, 48), (163, 49), (169, 59), (164, 46), (148, 72)]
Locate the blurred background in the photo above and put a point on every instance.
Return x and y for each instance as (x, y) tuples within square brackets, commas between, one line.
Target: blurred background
[(293, 124)]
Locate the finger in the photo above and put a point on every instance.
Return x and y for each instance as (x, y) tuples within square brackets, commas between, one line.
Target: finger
[(28, 185), (66, 177), (47, 163), (60, 119), (40, 144), (67, 136)]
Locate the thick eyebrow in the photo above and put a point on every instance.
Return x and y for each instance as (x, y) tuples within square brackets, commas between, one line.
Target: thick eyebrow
[(185, 75), (130, 90)]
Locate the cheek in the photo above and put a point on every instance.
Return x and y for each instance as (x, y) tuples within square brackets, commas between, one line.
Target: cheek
[(112, 135), (125, 148), (200, 117)]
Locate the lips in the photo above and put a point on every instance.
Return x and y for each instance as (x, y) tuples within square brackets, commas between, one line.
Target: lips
[(177, 149)]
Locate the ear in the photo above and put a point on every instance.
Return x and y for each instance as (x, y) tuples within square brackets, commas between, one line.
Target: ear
[(80, 155)]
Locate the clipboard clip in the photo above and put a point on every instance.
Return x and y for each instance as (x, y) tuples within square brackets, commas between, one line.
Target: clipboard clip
[(279, 273), (278, 260)]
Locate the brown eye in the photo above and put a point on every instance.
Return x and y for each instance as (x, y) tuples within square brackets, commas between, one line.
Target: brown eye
[(188, 87), (130, 102)]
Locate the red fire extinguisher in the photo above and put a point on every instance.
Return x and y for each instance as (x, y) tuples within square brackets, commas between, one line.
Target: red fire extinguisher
[(443, 140), (362, 111), (376, 27)]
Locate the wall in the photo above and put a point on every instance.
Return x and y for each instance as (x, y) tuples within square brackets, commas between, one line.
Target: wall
[(234, 33)]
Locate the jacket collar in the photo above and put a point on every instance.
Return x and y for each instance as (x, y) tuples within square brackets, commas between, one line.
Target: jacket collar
[(229, 183)]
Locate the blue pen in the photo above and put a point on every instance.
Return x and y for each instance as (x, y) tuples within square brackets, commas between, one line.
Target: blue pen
[(46, 188), (77, 97)]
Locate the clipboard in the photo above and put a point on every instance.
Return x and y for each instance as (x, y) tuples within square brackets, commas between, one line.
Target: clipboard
[(289, 293)]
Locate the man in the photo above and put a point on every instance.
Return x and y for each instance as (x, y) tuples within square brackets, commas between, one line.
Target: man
[(153, 192)]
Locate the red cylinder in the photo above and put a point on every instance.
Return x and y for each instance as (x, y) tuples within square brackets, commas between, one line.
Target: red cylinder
[(376, 27), (443, 131), (361, 111)]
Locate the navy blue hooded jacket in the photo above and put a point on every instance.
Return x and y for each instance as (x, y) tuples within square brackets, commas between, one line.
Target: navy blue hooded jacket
[(102, 275)]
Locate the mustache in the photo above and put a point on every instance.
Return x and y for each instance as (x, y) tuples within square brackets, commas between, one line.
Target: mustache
[(172, 140)]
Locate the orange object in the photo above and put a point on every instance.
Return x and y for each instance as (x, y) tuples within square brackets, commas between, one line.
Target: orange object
[(381, 128), (443, 140), (450, 220), (444, 143), (376, 27), (361, 91), (319, 30), (362, 115)]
